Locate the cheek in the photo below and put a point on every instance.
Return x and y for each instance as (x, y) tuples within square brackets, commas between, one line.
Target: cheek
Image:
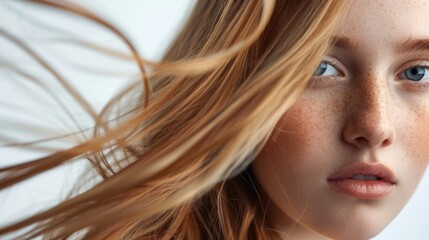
[(292, 156), (309, 129), (299, 130), (415, 134), (413, 143), (417, 146), (295, 138)]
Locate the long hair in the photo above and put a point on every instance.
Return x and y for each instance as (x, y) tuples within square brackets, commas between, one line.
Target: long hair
[(173, 164)]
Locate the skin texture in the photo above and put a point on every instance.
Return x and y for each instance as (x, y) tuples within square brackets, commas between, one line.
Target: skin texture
[(363, 110)]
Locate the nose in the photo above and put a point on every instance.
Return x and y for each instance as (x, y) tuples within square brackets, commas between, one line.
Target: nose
[(369, 122)]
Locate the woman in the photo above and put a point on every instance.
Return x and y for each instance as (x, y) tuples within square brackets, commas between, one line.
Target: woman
[(179, 161)]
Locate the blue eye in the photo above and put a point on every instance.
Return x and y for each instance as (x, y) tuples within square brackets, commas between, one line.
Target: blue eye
[(326, 69), (415, 73)]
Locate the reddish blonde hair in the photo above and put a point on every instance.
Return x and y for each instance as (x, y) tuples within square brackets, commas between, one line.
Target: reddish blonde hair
[(173, 165)]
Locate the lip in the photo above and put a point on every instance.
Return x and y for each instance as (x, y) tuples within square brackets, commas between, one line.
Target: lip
[(343, 182)]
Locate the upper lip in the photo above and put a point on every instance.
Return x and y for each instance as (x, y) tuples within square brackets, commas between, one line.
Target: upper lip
[(382, 172)]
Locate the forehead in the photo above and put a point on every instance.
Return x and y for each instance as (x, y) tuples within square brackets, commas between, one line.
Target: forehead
[(385, 20)]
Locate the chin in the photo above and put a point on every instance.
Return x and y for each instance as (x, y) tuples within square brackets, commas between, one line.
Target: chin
[(356, 227), (361, 234)]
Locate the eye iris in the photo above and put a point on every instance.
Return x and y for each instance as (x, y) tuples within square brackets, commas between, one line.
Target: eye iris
[(415, 73), (321, 69)]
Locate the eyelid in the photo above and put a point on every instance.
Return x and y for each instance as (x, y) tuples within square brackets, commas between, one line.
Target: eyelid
[(318, 82), (417, 63), (335, 63)]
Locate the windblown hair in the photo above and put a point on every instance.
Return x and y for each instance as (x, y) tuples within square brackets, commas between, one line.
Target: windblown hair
[(174, 163)]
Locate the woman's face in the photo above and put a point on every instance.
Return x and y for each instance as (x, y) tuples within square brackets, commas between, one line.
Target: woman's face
[(347, 156)]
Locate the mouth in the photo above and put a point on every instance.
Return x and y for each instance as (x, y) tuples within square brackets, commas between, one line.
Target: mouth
[(363, 180)]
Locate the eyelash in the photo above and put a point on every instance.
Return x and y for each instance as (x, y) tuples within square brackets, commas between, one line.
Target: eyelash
[(317, 81), (323, 80), (417, 84)]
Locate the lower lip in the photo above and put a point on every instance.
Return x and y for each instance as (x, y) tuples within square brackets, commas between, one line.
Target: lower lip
[(363, 189)]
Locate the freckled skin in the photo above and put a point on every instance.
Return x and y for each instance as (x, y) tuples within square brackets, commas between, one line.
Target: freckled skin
[(368, 115)]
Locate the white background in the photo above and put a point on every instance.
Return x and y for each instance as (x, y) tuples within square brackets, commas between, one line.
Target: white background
[(150, 25)]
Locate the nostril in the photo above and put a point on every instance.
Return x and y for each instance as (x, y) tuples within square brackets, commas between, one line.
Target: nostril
[(361, 134), (387, 142), (362, 141)]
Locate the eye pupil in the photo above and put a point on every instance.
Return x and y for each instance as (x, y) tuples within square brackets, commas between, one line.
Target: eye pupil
[(321, 69), (415, 73)]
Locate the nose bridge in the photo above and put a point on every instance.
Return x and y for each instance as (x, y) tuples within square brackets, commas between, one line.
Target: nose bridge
[(373, 102), (370, 122)]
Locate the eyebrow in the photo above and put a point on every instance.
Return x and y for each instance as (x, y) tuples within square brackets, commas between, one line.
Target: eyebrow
[(413, 44), (343, 43)]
